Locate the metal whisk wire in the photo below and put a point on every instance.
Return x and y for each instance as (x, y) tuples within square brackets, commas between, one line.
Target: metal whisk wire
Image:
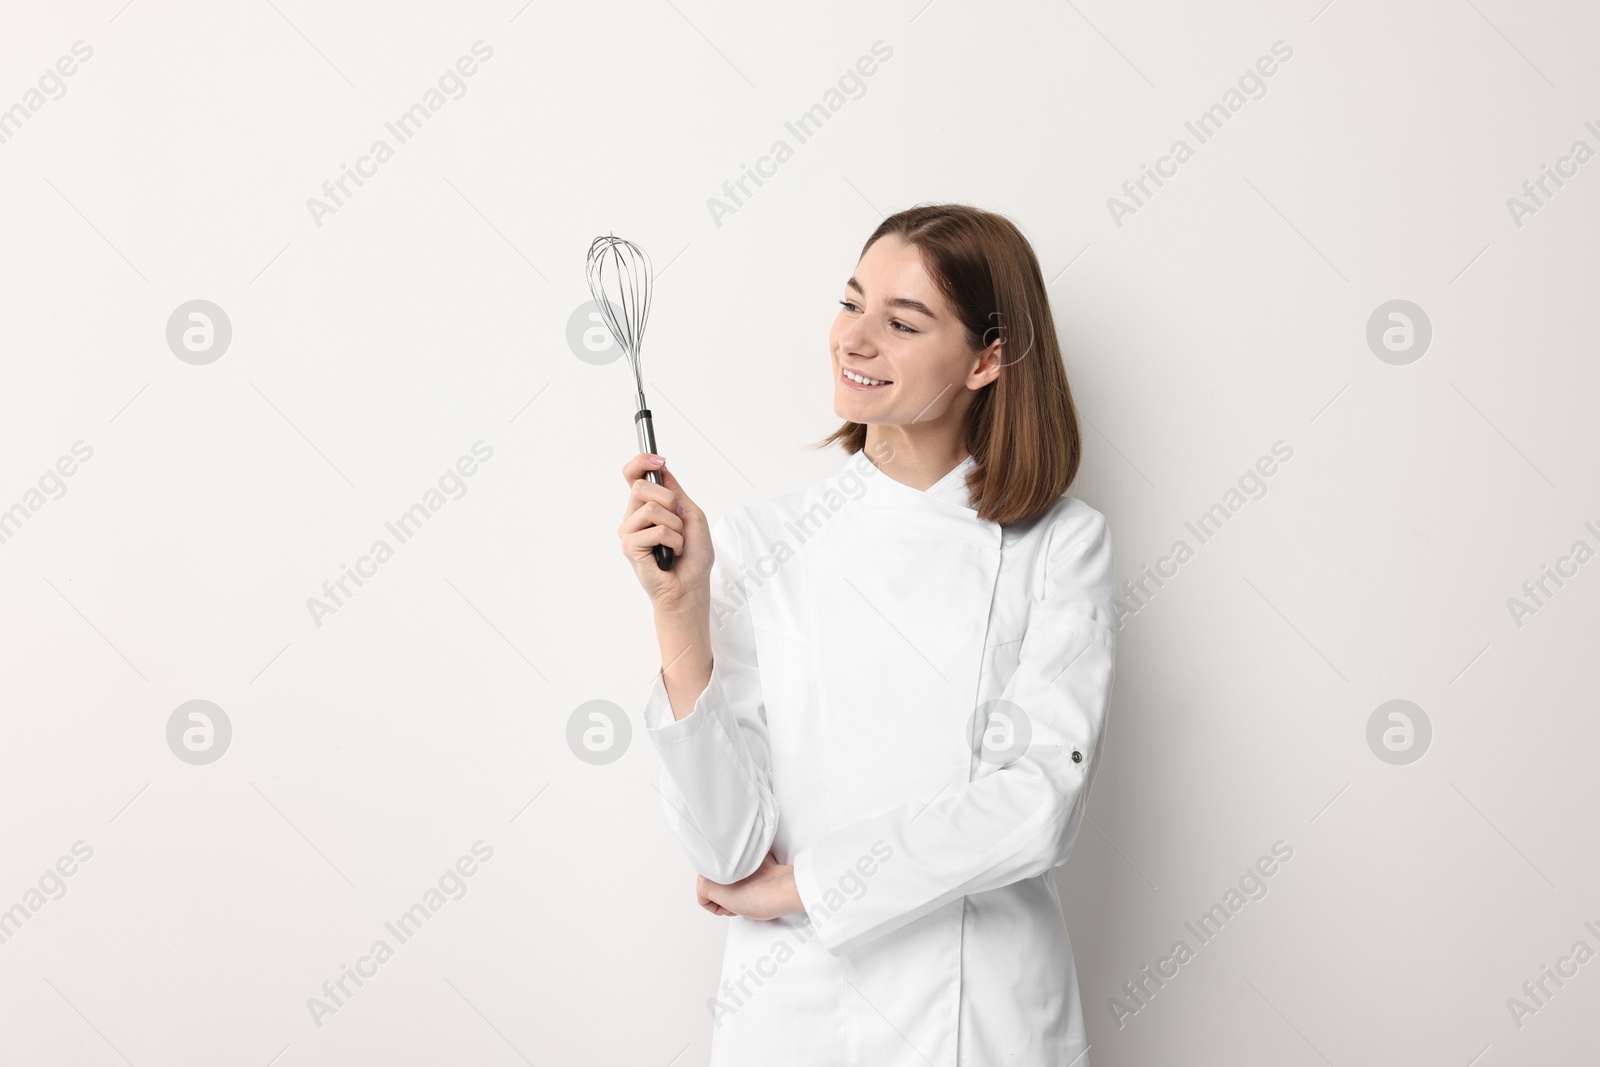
[(619, 280)]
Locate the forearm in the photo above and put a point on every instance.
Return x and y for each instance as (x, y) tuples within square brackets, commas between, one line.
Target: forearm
[(704, 715), (683, 632)]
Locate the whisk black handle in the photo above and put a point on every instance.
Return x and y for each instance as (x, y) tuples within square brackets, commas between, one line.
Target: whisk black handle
[(647, 443)]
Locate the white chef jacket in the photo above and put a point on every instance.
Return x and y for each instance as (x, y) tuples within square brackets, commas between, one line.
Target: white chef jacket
[(857, 627)]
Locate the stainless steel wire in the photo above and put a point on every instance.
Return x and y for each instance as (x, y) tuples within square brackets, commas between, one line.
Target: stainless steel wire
[(619, 280)]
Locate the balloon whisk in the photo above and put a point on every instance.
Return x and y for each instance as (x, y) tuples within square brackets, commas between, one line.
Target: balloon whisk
[(619, 280)]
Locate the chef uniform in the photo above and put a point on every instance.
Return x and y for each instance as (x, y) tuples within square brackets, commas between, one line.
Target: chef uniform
[(906, 703)]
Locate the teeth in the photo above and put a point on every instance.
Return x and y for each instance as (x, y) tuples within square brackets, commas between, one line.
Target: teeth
[(861, 378)]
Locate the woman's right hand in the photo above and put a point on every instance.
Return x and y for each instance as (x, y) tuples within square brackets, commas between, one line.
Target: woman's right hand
[(664, 515)]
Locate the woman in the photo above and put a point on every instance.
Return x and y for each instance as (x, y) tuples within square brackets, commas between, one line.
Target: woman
[(881, 700)]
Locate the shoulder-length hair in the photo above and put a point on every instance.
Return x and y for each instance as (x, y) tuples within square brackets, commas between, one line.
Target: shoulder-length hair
[(1022, 428)]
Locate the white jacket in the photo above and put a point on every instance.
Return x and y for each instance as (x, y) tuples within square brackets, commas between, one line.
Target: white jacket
[(858, 627)]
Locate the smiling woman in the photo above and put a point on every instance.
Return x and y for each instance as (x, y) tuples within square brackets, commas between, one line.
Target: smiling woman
[(942, 300), (886, 748)]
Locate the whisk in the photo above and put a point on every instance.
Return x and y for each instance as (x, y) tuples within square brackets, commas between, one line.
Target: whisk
[(619, 279)]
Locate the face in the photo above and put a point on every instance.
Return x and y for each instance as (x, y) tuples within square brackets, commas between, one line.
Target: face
[(894, 327)]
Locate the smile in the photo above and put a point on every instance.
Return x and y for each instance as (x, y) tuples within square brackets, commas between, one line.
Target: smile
[(861, 380)]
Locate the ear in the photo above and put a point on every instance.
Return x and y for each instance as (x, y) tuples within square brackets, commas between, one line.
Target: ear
[(990, 360)]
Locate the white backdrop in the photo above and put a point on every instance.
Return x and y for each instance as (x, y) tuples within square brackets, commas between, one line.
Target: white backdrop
[(181, 496)]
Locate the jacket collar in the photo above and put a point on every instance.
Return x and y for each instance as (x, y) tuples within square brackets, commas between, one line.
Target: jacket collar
[(884, 490), (941, 513)]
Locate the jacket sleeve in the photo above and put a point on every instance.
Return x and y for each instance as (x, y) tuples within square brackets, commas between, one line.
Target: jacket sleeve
[(870, 877), (716, 780)]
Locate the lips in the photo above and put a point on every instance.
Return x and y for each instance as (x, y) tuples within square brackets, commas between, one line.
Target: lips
[(863, 381)]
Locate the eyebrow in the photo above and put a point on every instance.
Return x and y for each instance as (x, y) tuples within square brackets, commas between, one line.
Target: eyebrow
[(897, 301)]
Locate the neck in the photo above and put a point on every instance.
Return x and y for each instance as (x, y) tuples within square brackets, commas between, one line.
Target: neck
[(916, 460)]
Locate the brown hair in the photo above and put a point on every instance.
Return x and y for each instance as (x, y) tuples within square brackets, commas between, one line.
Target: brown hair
[(1022, 428)]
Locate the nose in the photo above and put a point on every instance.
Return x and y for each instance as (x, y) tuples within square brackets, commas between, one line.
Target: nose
[(853, 339)]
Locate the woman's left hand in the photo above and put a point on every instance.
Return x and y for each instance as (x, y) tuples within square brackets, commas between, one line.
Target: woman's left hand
[(766, 894)]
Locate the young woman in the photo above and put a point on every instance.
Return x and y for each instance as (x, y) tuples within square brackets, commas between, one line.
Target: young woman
[(881, 697)]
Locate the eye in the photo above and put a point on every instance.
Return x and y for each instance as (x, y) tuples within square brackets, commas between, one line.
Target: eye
[(901, 327)]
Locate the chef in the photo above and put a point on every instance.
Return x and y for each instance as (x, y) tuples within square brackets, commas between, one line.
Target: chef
[(882, 696)]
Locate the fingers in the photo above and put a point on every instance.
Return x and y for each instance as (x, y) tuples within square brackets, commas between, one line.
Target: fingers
[(657, 514), (701, 885), (670, 483), (634, 469), (648, 526), (653, 503), (669, 492), (644, 492), (650, 513), (640, 544)]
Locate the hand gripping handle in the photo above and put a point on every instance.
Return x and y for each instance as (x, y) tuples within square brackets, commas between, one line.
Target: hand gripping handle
[(647, 443)]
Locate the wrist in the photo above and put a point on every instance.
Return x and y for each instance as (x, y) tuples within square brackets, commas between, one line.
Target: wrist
[(683, 634), (683, 609)]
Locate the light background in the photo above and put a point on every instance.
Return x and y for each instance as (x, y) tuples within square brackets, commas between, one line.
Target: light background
[(431, 311)]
